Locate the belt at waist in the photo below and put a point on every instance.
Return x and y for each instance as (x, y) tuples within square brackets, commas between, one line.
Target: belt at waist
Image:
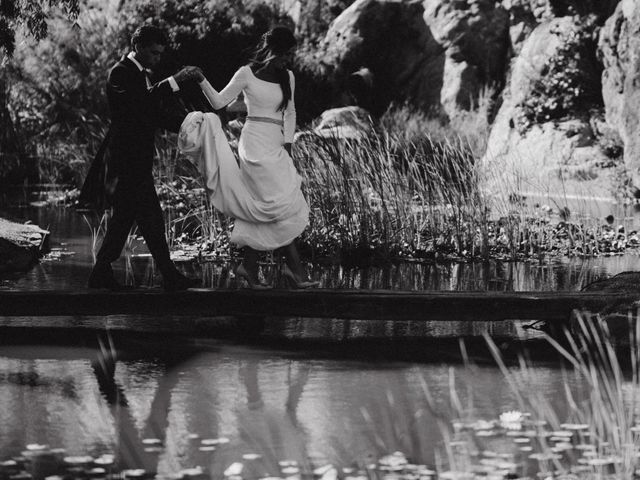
[(266, 120)]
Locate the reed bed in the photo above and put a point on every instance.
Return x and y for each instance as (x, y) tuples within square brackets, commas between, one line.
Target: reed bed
[(408, 187), (388, 196)]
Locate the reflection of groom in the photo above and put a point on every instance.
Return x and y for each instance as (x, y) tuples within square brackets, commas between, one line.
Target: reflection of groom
[(136, 112)]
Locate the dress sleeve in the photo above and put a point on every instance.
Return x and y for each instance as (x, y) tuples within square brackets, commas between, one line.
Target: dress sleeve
[(221, 99), (290, 113)]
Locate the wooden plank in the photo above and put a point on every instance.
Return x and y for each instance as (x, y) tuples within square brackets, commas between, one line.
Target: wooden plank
[(317, 303)]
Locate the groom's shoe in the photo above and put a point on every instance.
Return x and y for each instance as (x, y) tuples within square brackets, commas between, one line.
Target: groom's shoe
[(179, 282), (102, 277)]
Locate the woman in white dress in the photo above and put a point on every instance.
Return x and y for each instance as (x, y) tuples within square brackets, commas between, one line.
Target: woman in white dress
[(268, 206)]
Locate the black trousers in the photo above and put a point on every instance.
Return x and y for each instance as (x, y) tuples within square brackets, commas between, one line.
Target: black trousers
[(135, 200)]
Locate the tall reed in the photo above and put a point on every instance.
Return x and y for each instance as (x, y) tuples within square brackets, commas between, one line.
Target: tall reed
[(587, 431), (410, 186)]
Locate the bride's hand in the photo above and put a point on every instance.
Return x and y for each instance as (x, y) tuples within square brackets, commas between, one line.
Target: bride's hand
[(189, 73)]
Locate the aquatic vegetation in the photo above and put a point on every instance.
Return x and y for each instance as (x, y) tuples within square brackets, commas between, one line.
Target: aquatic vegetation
[(590, 431), (401, 194), (596, 439)]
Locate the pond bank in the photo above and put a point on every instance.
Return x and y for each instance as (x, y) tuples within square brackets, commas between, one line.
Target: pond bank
[(21, 245)]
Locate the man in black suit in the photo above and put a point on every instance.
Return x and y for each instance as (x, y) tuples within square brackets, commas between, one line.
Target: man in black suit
[(136, 112)]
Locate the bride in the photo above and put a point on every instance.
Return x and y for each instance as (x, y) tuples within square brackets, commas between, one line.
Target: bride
[(263, 194)]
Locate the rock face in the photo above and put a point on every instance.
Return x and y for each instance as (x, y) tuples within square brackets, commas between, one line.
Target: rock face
[(438, 55), (20, 245), (413, 48), (619, 47), (549, 155), (391, 39), (524, 17), (474, 38)]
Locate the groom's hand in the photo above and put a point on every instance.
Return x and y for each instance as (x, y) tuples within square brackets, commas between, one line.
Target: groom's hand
[(188, 73), (196, 74)]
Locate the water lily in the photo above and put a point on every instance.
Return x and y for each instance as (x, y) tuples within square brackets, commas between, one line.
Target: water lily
[(511, 420), (234, 469)]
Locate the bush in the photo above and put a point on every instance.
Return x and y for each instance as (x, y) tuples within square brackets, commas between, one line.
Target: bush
[(217, 36), (57, 100), (570, 83)]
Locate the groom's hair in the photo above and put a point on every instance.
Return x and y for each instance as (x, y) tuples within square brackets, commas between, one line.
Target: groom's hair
[(146, 35)]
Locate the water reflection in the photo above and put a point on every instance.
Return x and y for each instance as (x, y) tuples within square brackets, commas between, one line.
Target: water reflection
[(131, 450), (253, 401)]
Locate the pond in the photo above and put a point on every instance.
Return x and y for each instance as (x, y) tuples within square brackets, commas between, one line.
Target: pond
[(169, 404), (69, 265)]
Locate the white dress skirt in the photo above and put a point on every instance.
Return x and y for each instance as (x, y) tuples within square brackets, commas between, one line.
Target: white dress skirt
[(262, 193)]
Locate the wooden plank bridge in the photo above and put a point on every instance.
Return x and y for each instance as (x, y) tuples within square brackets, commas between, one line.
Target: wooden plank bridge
[(317, 303)]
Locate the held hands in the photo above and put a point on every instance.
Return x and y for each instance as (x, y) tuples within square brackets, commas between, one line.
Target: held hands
[(189, 73)]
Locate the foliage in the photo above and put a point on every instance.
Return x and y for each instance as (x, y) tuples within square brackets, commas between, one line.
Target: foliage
[(570, 81), (218, 36), (57, 98), (317, 15), (33, 15)]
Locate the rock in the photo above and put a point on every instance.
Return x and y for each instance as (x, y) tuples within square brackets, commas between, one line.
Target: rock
[(524, 17), (460, 86), (344, 123), (474, 33), (556, 156), (413, 47), (20, 245), (391, 39), (624, 282), (618, 46), (616, 315)]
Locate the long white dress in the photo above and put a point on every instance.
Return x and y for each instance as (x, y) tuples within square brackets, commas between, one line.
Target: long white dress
[(262, 193)]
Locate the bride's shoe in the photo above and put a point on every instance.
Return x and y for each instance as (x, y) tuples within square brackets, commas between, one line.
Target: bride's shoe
[(253, 283), (293, 281)]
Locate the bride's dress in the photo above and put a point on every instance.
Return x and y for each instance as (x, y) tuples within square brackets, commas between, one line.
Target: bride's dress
[(262, 193)]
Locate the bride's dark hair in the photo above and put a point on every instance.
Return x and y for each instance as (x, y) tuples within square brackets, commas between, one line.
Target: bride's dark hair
[(277, 41)]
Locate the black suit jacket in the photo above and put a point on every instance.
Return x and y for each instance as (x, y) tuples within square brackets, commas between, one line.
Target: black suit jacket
[(136, 113)]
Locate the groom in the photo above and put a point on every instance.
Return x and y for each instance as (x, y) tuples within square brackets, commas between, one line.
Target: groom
[(136, 110)]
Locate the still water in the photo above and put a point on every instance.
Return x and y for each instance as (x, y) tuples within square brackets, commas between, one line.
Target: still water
[(69, 265), (274, 403), (312, 404)]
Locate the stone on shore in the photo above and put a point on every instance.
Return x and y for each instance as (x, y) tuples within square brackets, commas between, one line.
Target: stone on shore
[(20, 245)]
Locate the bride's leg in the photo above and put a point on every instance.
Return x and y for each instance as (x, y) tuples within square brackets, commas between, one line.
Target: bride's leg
[(292, 259), (248, 269), (250, 262), (293, 270)]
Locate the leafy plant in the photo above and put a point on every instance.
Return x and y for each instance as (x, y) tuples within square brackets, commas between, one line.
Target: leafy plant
[(56, 95), (218, 36), (33, 15), (570, 82)]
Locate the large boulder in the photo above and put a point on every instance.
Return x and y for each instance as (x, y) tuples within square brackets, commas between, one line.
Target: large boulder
[(415, 47), (474, 36), (555, 156), (20, 245), (619, 47), (391, 39)]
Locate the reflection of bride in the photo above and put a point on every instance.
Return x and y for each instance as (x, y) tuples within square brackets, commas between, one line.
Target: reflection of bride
[(269, 431), (264, 194)]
